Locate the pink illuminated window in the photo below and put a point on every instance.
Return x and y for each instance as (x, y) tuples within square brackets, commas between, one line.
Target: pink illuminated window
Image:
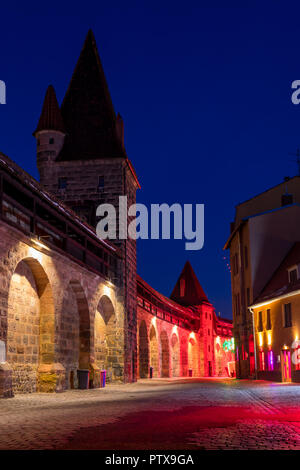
[(270, 360), (262, 365)]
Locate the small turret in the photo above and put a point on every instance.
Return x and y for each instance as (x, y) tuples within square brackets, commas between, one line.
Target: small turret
[(50, 132)]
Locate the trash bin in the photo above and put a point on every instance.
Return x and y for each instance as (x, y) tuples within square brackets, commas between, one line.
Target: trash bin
[(151, 372), (102, 378), (190, 372), (83, 378)]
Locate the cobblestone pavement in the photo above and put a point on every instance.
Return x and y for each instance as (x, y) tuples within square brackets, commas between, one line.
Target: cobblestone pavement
[(159, 414)]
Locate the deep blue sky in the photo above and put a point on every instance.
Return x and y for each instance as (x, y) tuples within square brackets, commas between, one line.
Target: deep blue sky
[(204, 92)]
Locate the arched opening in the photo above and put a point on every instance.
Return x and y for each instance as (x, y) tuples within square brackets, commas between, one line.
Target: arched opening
[(108, 351), (84, 328), (184, 356), (143, 351), (31, 325), (164, 355), (175, 356), (154, 363), (193, 357)]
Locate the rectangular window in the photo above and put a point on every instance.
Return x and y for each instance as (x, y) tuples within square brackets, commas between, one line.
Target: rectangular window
[(270, 360), (248, 296), (246, 256), (293, 276), (237, 304), (182, 287), (287, 315), (269, 325), (100, 182), (235, 264), (262, 365), (62, 183), (260, 321)]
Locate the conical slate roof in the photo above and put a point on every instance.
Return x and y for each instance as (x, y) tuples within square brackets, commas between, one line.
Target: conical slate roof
[(187, 290), (88, 112), (51, 118)]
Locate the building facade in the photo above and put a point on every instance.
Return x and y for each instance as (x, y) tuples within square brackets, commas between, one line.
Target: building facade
[(264, 230), (71, 302), (277, 322)]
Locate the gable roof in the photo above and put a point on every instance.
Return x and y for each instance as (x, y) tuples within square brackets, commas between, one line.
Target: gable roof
[(193, 292), (88, 112), (279, 284)]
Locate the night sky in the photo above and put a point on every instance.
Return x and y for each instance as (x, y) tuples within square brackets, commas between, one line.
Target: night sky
[(205, 93)]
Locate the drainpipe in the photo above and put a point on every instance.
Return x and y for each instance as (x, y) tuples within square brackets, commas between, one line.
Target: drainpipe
[(254, 340)]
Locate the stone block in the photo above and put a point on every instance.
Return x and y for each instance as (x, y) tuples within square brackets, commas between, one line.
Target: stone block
[(51, 378)]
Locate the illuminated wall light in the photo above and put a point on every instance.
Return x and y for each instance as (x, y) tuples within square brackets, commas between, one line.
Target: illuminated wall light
[(107, 291), (33, 253), (153, 321), (175, 330), (192, 336), (218, 341), (260, 339), (269, 339)]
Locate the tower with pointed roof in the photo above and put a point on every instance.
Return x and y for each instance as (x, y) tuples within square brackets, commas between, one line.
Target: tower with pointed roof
[(82, 160), (187, 290), (50, 132), (189, 293)]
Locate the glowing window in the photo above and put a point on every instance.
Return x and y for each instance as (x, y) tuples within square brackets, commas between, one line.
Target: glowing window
[(270, 360), (262, 365)]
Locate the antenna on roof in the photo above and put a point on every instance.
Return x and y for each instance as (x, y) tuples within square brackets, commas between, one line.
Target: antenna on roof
[(297, 154)]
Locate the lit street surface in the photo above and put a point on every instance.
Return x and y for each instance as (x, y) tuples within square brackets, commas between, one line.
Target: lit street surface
[(159, 414)]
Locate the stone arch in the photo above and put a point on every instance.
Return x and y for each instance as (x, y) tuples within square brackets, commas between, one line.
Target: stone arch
[(175, 356), (164, 355), (184, 356), (143, 351), (31, 327), (193, 357), (154, 362), (84, 326), (107, 348)]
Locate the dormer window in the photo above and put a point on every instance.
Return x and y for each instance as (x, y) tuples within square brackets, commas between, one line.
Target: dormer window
[(293, 274), (182, 287)]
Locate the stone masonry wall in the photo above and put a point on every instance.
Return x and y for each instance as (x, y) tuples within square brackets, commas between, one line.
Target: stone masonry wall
[(166, 344), (83, 194), (41, 315)]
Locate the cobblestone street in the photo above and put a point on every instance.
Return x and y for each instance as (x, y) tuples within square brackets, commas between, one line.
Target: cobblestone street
[(158, 414)]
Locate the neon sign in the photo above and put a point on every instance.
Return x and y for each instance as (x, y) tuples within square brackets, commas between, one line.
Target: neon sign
[(228, 345)]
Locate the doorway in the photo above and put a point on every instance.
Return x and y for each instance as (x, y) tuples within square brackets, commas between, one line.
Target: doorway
[(286, 365)]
